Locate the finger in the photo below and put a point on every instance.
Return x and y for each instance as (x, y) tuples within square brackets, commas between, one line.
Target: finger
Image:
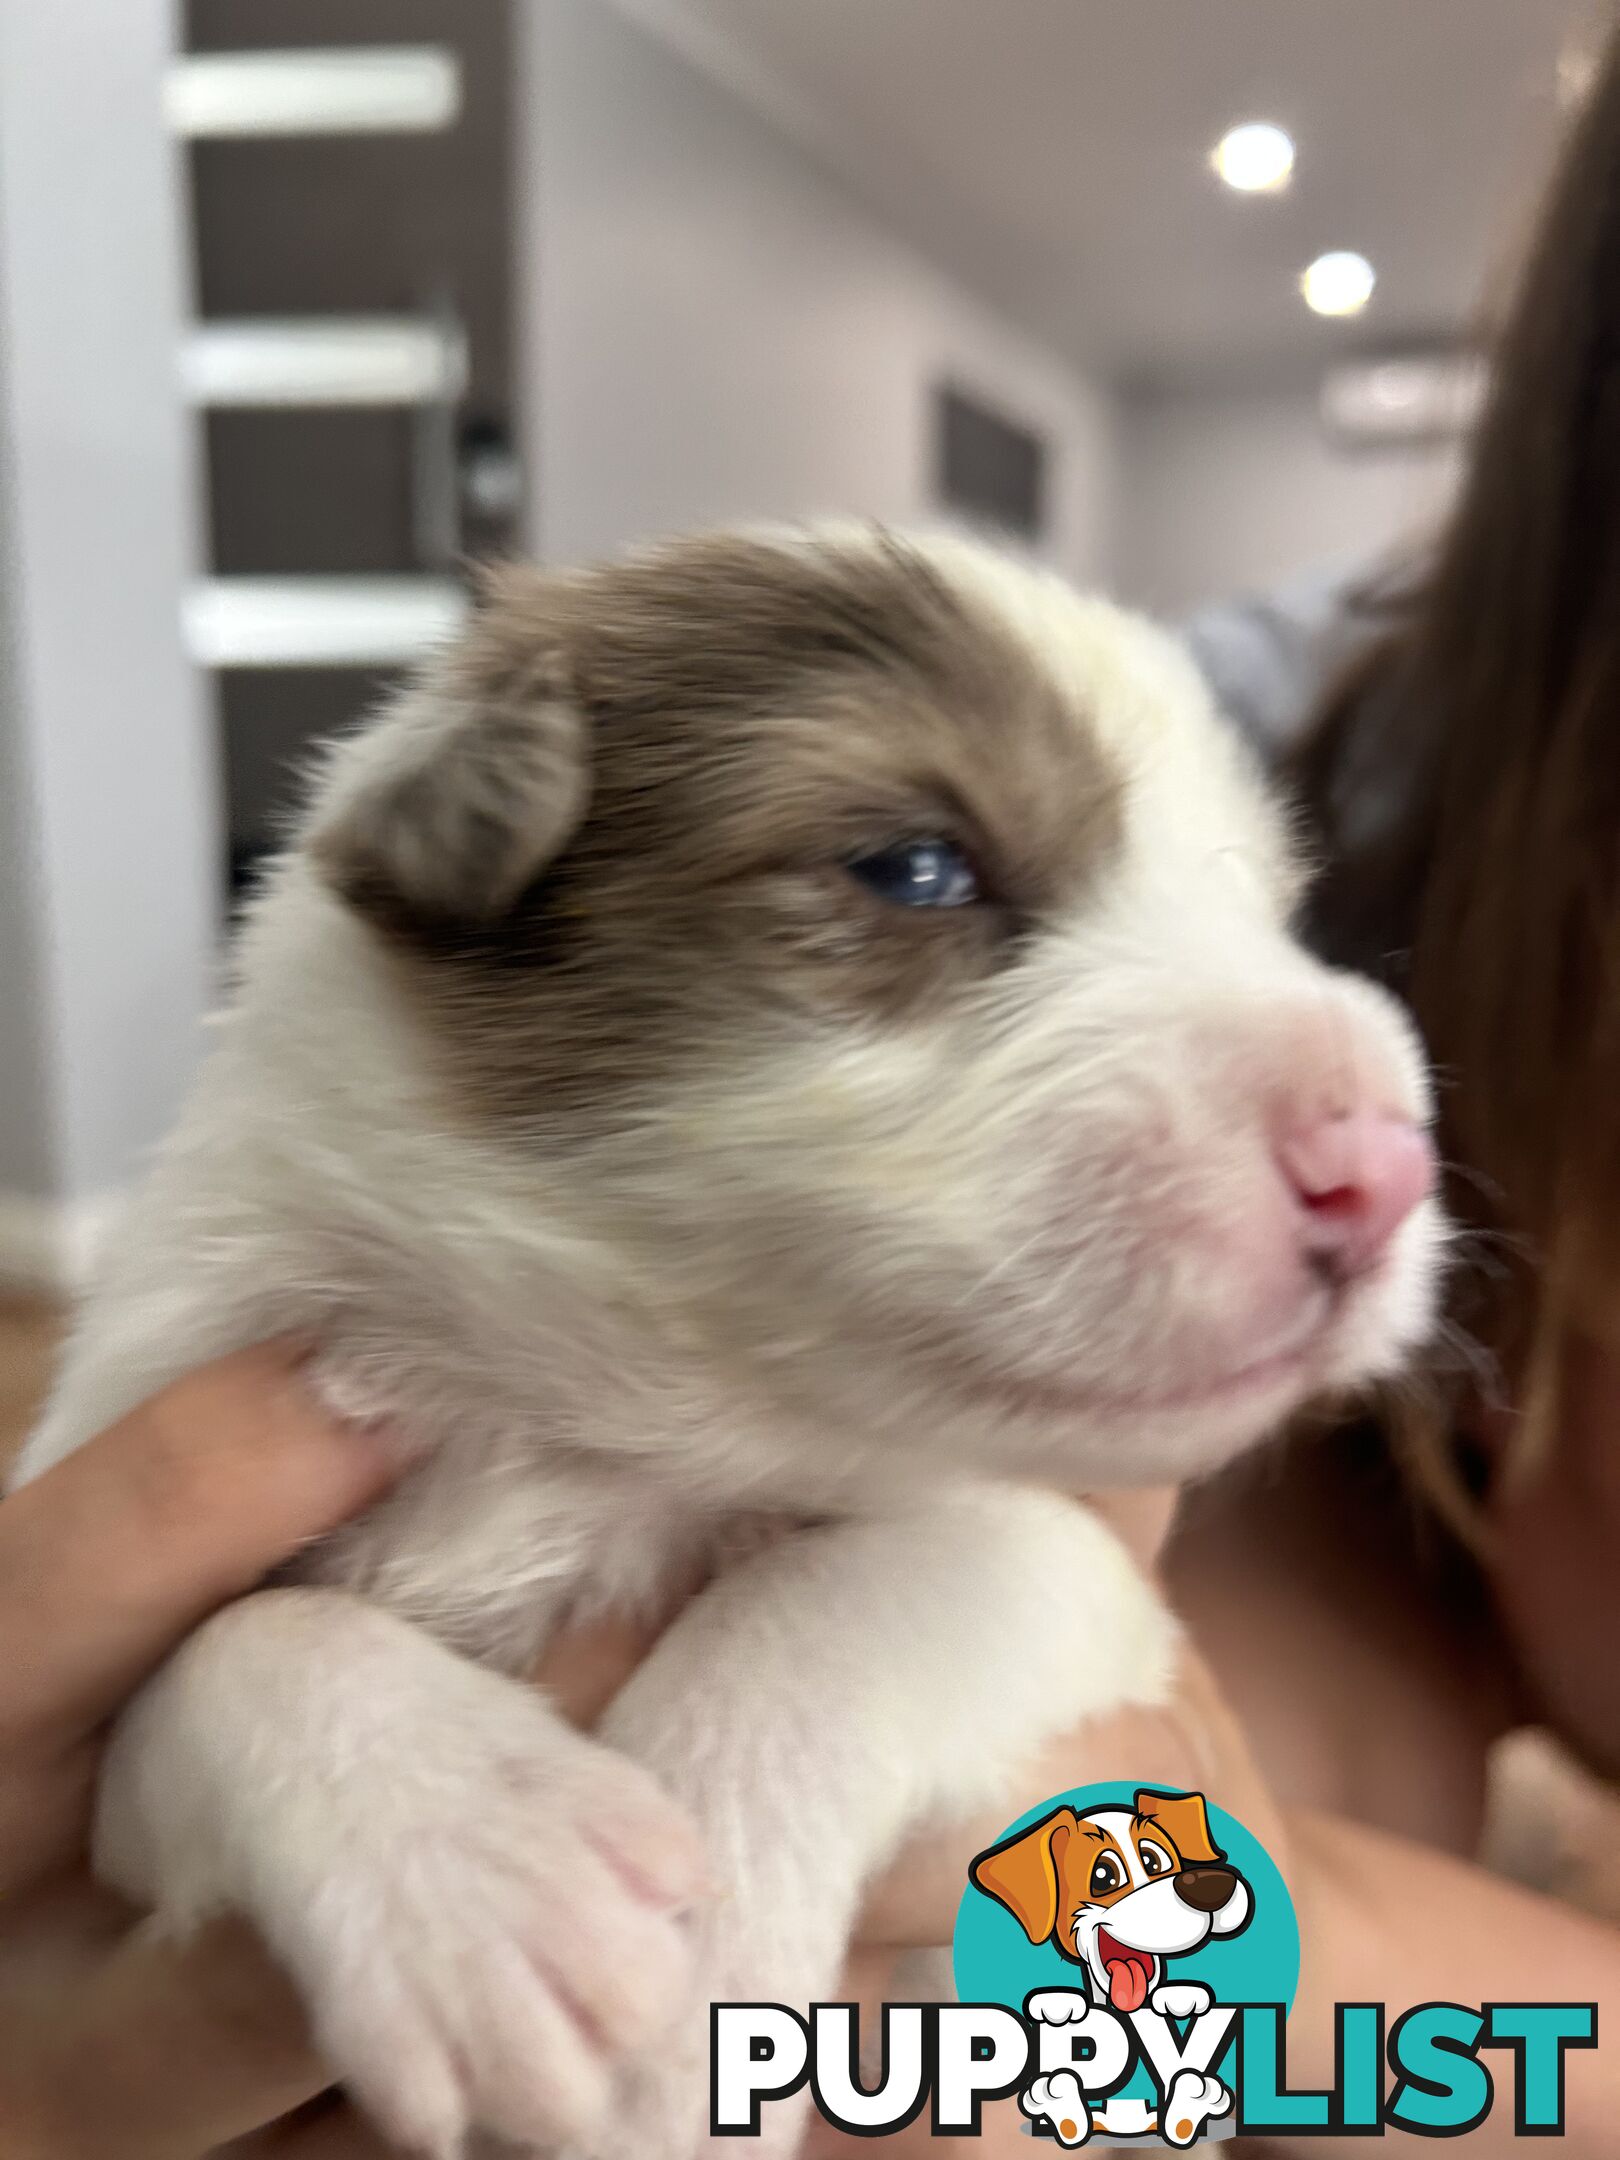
[(110, 1557), (328, 2130), (172, 2048), (587, 1662), (1140, 1518), (52, 1937), (585, 1667)]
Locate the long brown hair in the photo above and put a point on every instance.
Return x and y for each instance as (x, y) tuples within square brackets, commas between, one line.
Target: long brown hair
[(1466, 783)]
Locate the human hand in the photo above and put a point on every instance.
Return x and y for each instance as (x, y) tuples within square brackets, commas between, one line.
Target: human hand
[(115, 2044), (122, 2046), (1191, 1740)]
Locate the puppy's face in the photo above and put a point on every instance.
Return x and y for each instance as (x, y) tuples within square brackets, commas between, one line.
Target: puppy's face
[(881, 952), (1120, 1890)]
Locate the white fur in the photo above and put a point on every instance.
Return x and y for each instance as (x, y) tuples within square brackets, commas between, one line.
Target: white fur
[(1065, 1179), (1182, 1998), (1059, 2100), (1150, 1917), (1194, 2101)]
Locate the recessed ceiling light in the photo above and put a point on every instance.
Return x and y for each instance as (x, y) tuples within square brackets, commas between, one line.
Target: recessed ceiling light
[(1256, 159), (1338, 284)]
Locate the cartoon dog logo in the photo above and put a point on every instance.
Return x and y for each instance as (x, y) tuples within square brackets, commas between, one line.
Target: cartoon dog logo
[(1119, 1891)]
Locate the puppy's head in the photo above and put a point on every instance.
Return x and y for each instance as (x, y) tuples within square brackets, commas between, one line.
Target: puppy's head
[(1119, 1890), (883, 953)]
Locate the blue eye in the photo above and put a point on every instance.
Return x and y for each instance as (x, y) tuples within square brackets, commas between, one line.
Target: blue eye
[(919, 874)]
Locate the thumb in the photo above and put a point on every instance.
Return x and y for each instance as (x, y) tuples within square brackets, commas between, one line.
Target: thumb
[(111, 1556), (167, 2050)]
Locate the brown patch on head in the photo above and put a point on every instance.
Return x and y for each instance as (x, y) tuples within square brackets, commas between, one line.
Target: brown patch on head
[(1098, 1872), (628, 836)]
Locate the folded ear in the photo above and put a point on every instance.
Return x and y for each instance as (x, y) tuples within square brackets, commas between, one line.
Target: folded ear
[(1185, 1818), (1024, 1873), (437, 817)]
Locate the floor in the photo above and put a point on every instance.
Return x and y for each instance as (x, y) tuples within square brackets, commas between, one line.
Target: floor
[(1551, 1826)]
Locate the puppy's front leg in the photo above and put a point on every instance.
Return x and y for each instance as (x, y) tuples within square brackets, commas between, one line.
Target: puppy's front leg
[(816, 1703), (478, 1905)]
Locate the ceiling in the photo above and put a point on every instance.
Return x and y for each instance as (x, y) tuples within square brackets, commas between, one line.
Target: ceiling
[(1055, 153)]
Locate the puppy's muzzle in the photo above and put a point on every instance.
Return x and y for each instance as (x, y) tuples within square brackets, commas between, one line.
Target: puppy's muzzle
[(1206, 1889)]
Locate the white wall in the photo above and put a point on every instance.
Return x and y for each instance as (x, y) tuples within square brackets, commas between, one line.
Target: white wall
[(714, 329), (1230, 492), (109, 827), (26, 1129)]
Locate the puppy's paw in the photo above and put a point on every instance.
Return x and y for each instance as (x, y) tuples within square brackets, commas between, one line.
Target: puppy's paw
[(1058, 2006), (661, 2109), (1193, 2102), (487, 1941), (1181, 1999), (1060, 2102), (661, 2112)]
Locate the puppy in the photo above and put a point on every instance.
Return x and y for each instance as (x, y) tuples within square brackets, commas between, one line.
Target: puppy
[(797, 1028), (1119, 1891)]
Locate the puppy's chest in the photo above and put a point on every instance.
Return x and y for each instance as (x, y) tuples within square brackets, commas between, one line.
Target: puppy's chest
[(493, 1553)]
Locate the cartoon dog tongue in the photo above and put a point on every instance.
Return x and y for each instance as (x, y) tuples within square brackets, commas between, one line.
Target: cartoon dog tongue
[(1129, 1974)]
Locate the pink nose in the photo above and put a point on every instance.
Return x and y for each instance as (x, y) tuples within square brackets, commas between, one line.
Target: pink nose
[(1357, 1178)]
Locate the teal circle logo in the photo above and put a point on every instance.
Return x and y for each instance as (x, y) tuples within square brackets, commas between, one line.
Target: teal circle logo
[(1141, 1900)]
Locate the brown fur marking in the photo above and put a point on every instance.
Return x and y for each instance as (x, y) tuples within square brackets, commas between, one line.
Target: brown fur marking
[(755, 715)]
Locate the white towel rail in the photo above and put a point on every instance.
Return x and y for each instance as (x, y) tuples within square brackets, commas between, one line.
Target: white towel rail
[(292, 622), (357, 90), (365, 360)]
